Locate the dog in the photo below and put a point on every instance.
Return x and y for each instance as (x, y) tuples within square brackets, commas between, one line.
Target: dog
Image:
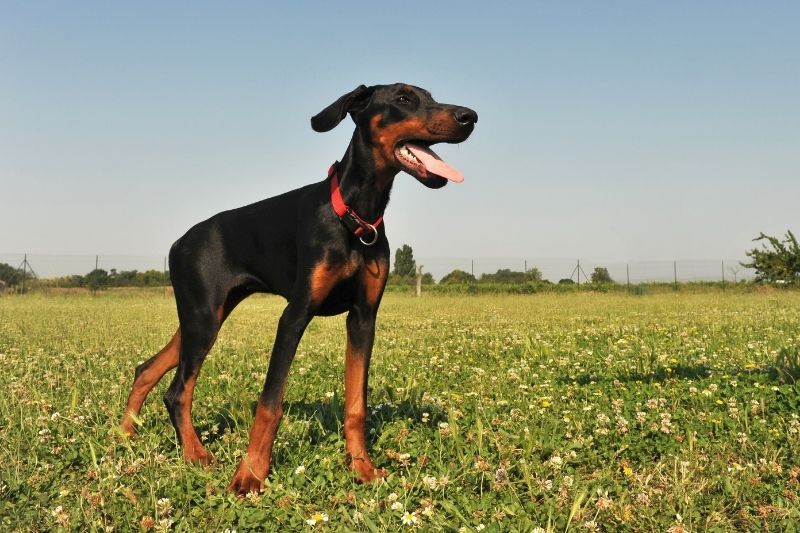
[(323, 247)]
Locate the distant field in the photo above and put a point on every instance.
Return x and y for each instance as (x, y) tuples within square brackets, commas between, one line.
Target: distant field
[(583, 411)]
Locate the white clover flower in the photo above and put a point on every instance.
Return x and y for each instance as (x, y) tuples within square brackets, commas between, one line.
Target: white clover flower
[(409, 519), (299, 470), (430, 482), (397, 506), (317, 517)]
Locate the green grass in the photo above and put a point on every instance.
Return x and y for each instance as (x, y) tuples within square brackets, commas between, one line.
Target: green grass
[(560, 411)]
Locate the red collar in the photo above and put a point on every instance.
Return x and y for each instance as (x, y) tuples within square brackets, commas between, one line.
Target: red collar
[(351, 220)]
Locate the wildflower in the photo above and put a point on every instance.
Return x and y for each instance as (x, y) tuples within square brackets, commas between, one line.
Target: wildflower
[(316, 518), (590, 525), (622, 425), (430, 482), (147, 522), (678, 526), (425, 417), (500, 475), (567, 481), (427, 508), (409, 519), (666, 423), (556, 462), (480, 527), (164, 507), (754, 405), (299, 470), (392, 497), (396, 506), (61, 517), (603, 502), (481, 464), (164, 524)]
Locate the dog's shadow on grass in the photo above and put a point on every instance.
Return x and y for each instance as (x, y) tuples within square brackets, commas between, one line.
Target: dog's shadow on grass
[(325, 418)]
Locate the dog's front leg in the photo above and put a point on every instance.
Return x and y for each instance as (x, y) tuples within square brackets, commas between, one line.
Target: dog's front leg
[(360, 337), (254, 466)]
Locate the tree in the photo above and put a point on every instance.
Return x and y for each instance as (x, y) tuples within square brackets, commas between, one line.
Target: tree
[(601, 275), (404, 264), (96, 279), (505, 275), (9, 274), (457, 276), (778, 262), (534, 274)]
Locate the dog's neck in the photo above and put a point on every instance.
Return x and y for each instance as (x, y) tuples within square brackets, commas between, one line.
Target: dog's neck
[(365, 189)]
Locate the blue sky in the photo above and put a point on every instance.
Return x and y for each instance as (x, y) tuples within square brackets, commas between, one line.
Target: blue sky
[(614, 130)]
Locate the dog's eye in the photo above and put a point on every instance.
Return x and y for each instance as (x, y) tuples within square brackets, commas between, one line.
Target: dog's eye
[(403, 99)]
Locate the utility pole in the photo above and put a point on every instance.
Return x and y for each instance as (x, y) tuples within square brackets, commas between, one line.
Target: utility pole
[(578, 270), (26, 267)]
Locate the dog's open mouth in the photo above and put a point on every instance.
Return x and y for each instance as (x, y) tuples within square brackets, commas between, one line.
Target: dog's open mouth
[(423, 163)]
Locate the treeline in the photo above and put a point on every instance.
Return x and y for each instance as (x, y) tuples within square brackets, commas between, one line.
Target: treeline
[(504, 276), (97, 279), (101, 279)]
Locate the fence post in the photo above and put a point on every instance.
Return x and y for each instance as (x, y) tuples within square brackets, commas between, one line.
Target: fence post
[(628, 275), (723, 274), (419, 281), (675, 274)]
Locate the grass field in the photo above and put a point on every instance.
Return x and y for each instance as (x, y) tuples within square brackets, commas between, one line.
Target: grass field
[(581, 412)]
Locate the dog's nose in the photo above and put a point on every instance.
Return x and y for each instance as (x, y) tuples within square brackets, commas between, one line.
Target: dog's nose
[(465, 115)]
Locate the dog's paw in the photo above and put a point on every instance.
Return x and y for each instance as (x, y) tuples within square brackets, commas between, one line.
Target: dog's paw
[(248, 478)]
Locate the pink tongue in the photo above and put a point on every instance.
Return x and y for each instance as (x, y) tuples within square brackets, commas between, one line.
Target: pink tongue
[(434, 164)]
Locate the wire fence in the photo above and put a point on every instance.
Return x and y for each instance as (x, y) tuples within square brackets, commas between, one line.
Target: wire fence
[(45, 266)]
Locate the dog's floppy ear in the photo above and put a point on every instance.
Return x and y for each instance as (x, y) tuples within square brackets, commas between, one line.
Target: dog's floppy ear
[(352, 102)]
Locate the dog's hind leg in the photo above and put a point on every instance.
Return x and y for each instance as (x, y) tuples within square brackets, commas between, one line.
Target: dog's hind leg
[(147, 376), (200, 323)]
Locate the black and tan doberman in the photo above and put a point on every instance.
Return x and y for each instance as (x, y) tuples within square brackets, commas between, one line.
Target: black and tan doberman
[(322, 247)]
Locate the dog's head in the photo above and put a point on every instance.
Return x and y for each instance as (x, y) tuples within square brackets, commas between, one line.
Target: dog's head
[(402, 122)]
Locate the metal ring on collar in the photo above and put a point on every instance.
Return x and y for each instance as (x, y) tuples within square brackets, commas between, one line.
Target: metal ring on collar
[(374, 239)]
